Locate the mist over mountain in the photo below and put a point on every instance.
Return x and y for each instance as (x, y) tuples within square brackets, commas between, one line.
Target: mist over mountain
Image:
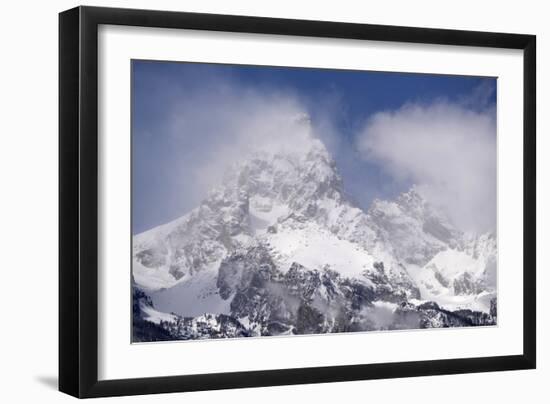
[(279, 248)]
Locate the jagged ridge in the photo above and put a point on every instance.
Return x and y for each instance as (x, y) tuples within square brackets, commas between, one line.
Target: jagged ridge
[(279, 242)]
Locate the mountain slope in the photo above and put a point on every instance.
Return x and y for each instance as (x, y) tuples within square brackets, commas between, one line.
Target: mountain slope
[(282, 218)]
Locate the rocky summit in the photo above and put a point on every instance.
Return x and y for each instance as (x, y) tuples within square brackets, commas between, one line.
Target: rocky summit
[(280, 249)]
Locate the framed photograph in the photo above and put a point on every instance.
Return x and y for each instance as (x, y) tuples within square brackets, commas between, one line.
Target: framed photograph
[(251, 201)]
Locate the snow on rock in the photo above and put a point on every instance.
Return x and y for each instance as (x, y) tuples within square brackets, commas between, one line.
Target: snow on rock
[(316, 247), (286, 210), (155, 316), (194, 296)]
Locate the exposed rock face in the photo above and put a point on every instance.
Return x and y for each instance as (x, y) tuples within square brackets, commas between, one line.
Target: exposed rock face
[(278, 248), (303, 308)]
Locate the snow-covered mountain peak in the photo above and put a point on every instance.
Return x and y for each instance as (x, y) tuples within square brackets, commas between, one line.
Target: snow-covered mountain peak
[(263, 189), (289, 203), (412, 200), (293, 177), (412, 217)]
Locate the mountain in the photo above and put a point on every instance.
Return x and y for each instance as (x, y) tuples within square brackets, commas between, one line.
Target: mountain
[(279, 248)]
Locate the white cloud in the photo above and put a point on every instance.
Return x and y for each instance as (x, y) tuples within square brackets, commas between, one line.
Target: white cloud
[(447, 149), (215, 129)]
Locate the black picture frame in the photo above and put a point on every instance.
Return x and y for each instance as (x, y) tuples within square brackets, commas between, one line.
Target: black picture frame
[(78, 201)]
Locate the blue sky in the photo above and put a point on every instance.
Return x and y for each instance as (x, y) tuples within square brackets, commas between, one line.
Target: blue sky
[(179, 111)]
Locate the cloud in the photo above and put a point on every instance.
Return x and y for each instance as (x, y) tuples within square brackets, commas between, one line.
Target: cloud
[(447, 149), (193, 124), (216, 129)]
